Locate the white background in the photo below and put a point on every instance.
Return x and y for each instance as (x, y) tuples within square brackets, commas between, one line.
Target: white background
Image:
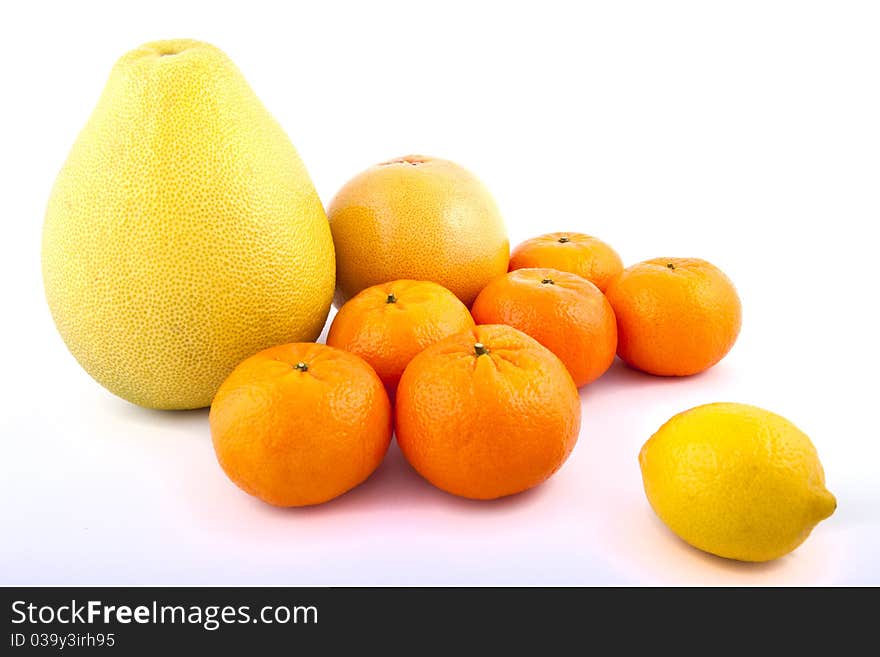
[(746, 133)]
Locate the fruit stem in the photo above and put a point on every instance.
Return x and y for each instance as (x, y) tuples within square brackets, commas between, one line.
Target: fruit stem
[(670, 265), (547, 281), (480, 349), (563, 239), (301, 366), (391, 298)]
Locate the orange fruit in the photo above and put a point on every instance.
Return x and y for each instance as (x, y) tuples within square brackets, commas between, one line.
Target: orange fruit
[(564, 312), (675, 316), (388, 324), (486, 413), (300, 423), (417, 218), (575, 253)]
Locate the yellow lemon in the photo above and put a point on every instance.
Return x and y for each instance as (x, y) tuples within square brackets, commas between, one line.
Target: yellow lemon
[(735, 480)]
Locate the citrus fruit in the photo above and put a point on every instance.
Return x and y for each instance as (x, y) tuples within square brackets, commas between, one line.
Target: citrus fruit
[(564, 312), (389, 323), (675, 316), (300, 424), (735, 480), (486, 413), (183, 233), (417, 218), (575, 253)]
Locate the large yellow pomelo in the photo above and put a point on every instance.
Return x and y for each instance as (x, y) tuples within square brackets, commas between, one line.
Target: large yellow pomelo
[(183, 233)]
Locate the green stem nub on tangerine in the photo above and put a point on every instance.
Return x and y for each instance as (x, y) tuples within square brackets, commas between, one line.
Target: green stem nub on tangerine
[(301, 366), (391, 298), (480, 349)]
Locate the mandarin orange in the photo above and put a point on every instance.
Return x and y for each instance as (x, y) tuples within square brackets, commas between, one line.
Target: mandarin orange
[(675, 316), (388, 324), (564, 312), (300, 424), (486, 413), (575, 253)]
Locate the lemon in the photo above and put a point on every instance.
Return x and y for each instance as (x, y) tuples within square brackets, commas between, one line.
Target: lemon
[(736, 481)]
